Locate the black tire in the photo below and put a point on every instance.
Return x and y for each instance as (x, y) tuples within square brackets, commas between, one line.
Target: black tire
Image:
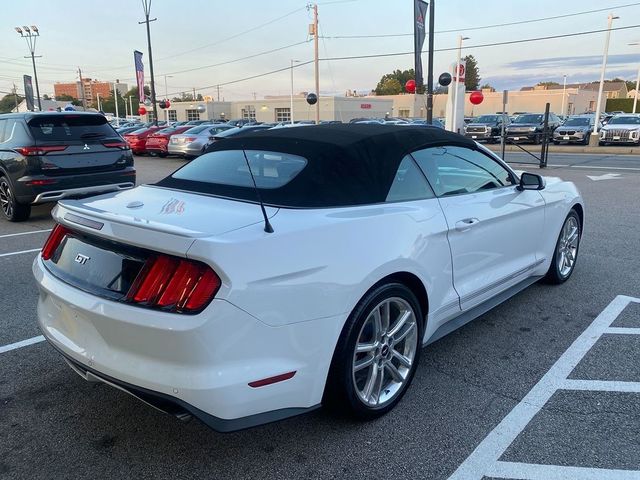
[(602, 144), (11, 209), (555, 142), (554, 275), (340, 391), (162, 155), (586, 139)]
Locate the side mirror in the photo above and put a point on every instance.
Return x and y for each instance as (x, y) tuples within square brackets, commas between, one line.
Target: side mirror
[(531, 181)]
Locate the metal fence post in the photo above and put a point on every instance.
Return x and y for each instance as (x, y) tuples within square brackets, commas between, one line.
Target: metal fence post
[(545, 138), (505, 93)]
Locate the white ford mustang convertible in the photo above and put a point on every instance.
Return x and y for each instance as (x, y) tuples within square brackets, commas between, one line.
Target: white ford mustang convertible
[(296, 267)]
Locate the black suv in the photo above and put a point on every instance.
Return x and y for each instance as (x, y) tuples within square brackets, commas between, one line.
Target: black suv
[(486, 127), (529, 127), (48, 156)]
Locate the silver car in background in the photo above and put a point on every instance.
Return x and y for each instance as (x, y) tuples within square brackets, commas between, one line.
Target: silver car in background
[(195, 141), (575, 129), (621, 129)]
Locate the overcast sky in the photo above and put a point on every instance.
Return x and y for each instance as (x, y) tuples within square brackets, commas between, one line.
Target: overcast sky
[(100, 37)]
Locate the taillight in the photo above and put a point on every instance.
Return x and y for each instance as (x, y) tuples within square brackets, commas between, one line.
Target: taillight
[(120, 145), (174, 284), (189, 139), (53, 242), (43, 150)]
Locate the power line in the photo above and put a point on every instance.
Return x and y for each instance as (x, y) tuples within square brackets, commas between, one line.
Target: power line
[(394, 54), (238, 59), (482, 27), (483, 45)]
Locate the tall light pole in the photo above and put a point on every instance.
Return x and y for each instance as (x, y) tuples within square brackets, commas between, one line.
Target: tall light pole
[(457, 77), (31, 35), (166, 95), (637, 82), (115, 97), (315, 60), (98, 97), (292, 62), (146, 4), (596, 127), (564, 89)]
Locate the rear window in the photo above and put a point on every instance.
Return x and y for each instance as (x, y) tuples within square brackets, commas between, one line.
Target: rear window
[(70, 127), (195, 130), (229, 167)]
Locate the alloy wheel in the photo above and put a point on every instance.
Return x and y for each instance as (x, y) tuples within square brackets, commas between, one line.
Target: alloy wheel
[(6, 198), (385, 352), (568, 246)]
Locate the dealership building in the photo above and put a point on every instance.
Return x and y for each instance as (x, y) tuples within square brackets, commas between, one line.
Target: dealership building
[(574, 98)]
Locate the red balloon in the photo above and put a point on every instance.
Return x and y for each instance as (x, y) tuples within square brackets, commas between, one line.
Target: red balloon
[(410, 86), (476, 98), (142, 111), (167, 103)]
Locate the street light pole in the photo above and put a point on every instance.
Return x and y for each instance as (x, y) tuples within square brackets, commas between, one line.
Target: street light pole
[(564, 89), (457, 78), (635, 100), (166, 95), (596, 126), (30, 35), (291, 113), (315, 60), (146, 4)]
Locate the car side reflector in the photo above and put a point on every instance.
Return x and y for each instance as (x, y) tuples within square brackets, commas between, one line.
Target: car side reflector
[(271, 380)]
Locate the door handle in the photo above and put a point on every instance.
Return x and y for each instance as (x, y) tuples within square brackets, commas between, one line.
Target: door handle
[(466, 224)]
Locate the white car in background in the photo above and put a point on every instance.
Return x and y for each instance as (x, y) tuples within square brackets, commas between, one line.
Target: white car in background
[(246, 295)]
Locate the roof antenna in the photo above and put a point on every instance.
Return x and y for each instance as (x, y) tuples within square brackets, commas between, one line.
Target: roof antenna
[(267, 226)]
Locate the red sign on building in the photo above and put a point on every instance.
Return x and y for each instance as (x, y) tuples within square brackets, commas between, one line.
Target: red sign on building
[(365, 106)]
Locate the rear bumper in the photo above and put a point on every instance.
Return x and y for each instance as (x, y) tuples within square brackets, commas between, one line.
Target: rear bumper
[(199, 364), (156, 148), (73, 185), (193, 148)]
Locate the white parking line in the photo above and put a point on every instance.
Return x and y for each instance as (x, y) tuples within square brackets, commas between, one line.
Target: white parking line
[(484, 460), (20, 252), (23, 343), (24, 233), (588, 167)]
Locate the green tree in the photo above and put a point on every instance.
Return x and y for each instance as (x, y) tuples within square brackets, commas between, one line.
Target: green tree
[(108, 105), (547, 84), (393, 83), (188, 97), (46, 97), (472, 73), (68, 98), (133, 92), (8, 103), (486, 85)]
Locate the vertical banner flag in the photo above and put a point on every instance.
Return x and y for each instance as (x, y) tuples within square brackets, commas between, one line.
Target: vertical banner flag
[(137, 58), (28, 92), (419, 13)]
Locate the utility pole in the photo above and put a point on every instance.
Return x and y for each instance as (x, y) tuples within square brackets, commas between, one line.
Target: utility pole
[(564, 91), (115, 97), (194, 94), (98, 97), (30, 35), (595, 135), (315, 60), (146, 4), (432, 13), (218, 88), (84, 100), (130, 105), (15, 96)]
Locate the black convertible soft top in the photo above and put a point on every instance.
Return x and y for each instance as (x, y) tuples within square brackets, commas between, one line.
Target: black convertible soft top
[(350, 164)]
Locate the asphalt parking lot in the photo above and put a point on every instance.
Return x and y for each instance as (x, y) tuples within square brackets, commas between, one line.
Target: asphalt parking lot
[(499, 398)]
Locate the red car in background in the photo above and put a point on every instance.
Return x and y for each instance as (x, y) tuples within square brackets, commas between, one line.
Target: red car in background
[(138, 138), (158, 142)]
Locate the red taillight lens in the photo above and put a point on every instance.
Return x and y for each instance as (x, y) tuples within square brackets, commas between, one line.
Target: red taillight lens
[(189, 139), (53, 242), (174, 284), (120, 145), (43, 150)]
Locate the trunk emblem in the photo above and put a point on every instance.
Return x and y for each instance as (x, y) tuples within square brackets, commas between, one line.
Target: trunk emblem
[(135, 204), (81, 259), (86, 147)]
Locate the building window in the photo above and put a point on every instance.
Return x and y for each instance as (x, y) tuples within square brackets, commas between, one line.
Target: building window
[(283, 114), (150, 116), (192, 115), (173, 115), (403, 112), (249, 112)]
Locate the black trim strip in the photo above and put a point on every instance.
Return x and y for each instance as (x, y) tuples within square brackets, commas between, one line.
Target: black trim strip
[(177, 407)]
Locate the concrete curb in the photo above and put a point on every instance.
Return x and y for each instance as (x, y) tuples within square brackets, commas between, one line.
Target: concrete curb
[(535, 149)]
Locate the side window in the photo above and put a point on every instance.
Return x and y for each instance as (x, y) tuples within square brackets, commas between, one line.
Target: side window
[(457, 170), (409, 183), (3, 124)]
